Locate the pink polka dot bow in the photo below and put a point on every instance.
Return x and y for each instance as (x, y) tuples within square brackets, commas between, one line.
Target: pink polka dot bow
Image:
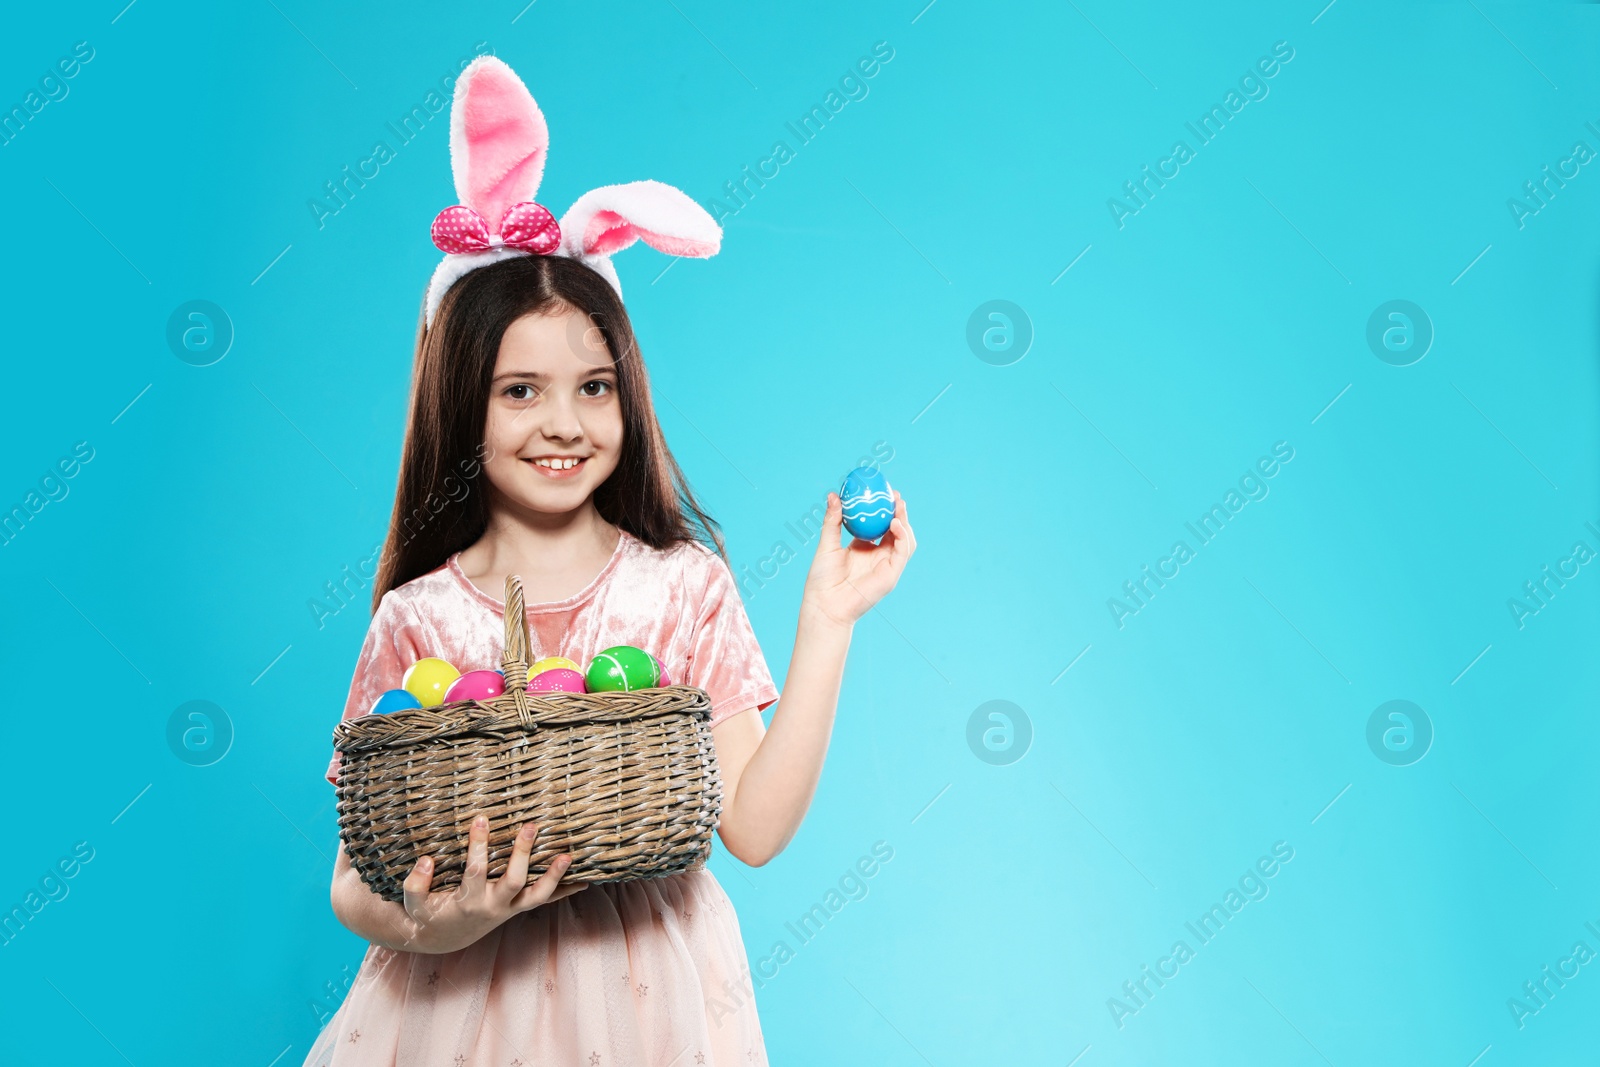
[(525, 225)]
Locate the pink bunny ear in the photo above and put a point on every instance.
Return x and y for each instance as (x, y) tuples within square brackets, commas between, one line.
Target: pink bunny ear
[(498, 143), (608, 219), (498, 139)]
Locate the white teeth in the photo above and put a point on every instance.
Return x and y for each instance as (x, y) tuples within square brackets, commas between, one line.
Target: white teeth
[(557, 464)]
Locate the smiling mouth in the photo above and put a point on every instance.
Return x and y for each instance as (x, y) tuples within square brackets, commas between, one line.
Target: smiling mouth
[(557, 467)]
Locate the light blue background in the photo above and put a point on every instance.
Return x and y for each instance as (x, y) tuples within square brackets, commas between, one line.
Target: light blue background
[(1223, 317)]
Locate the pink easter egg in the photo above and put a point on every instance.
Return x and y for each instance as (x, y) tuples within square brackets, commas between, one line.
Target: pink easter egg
[(557, 680), (661, 669), (476, 685)]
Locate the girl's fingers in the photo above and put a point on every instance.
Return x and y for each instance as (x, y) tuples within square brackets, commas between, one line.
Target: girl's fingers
[(832, 523), (516, 876), (902, 522), (905, 544), (473, 878), (415, 887), (545, 889), (894, 549)]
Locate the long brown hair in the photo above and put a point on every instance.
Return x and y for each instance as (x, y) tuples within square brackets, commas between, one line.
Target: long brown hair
[(440, 505)]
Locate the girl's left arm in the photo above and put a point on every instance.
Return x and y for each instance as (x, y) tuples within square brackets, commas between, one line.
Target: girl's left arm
[(770, 775)]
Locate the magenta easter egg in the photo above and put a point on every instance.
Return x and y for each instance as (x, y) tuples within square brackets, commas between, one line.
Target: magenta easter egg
[(661, 669), (557, 680), (476, 685)]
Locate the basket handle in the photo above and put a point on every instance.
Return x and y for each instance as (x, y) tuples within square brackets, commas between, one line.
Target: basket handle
[(515, 659)]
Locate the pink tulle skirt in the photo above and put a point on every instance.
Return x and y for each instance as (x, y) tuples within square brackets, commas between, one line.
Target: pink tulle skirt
[(650, 973)]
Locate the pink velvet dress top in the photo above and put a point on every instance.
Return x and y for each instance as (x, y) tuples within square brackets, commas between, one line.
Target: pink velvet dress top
[(651, 973)]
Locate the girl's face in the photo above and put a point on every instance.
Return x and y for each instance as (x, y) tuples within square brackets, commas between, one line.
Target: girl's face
[(554, 427)]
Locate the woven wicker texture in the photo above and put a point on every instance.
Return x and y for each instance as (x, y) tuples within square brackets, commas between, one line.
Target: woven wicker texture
[(627, 783)]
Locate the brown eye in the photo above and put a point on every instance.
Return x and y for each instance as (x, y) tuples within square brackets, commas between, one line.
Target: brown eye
[(527, 394), (602, 383)]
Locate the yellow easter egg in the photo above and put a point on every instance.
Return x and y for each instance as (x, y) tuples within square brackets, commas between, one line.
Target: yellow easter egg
[(428, 679), (551, 663)]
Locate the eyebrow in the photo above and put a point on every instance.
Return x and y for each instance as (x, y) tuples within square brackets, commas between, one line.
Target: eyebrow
[(538, 377)]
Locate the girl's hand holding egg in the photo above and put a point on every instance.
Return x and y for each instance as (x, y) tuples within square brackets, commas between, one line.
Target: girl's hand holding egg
[(845, 581)]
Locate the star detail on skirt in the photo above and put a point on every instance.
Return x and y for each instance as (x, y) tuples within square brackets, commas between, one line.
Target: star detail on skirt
[(643, 989), (433, 978), (594, 1059), (355, 1035), (699, 1057), (549, 986)]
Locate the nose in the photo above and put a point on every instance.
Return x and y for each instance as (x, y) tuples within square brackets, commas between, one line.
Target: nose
[(561, 418)]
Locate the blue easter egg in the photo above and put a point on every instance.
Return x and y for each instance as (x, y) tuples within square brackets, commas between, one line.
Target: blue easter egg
[(395, 700), (868, 504)]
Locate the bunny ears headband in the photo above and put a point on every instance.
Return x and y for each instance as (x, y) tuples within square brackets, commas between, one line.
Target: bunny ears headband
[(498, 143)]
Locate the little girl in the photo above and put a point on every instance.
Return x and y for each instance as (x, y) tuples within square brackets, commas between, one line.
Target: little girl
[(533, 449)]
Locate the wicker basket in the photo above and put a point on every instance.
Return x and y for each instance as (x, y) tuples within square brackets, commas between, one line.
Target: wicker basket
[(627, 783)]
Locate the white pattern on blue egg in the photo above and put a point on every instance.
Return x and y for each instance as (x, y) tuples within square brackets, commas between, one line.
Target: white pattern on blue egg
[(868, 505)]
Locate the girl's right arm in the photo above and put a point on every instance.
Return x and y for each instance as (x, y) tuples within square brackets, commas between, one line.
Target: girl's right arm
[(366, 914), (451, 920)]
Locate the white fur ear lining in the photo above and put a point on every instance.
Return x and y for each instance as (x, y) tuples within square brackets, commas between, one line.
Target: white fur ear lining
[(606, 220)]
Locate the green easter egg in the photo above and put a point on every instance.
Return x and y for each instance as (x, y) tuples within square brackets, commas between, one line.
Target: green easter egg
[(622, 669)]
